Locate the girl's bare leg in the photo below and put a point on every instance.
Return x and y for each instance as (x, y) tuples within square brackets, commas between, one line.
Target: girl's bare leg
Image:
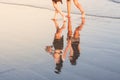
[(68, 7), (78, 5), (59, 10)]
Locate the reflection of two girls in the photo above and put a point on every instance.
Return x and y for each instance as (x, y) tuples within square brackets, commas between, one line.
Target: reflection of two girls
[(58, 9), (73, 42), (57, 48)]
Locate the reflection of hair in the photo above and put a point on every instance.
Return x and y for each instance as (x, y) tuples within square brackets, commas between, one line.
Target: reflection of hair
[(68, 0), (57, 1), (74, 58), (59, 65), (48, 49)]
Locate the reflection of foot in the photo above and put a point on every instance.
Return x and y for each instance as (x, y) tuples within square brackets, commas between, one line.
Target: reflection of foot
[(83, 15), (68, 16), (53, 19)]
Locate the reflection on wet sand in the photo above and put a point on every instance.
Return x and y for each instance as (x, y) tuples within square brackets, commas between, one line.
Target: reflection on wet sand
[(73, 42), (57, 49)]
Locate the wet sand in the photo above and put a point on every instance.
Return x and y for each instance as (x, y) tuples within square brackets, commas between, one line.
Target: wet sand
[(25, 31)]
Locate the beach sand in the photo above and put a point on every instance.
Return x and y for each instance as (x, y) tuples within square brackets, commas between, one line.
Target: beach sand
[(25, 31)]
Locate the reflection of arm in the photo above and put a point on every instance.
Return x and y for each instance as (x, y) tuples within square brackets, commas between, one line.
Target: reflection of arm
[(66, 49), (63, 26), (57, 25), (71, 51), (69, 40)]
